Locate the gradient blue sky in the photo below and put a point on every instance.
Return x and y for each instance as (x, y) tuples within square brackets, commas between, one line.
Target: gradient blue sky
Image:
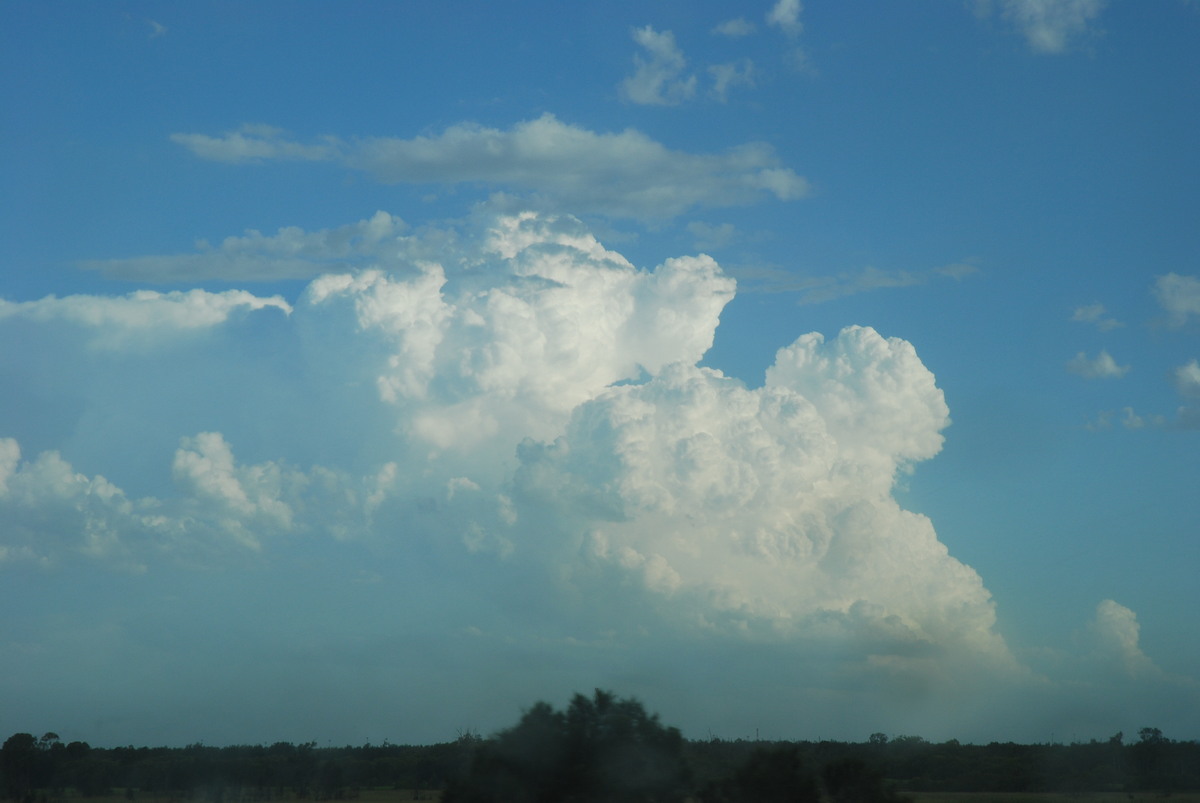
[(373, 370)]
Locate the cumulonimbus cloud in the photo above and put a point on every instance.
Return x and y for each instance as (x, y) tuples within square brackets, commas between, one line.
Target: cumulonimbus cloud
[(547, 392), (624, 174)]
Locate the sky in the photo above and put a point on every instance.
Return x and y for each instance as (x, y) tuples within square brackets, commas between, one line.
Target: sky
[(371, 371)]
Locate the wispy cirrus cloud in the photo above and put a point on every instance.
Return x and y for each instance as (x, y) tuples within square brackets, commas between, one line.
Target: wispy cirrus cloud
[(821, 289), (624, 174)]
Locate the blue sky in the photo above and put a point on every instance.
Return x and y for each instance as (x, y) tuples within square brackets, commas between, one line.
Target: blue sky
[(374, 370)]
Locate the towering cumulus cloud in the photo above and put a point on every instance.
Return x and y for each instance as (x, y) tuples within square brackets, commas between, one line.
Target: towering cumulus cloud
[(554, 391), (539, 320), (768, 510), (531, 407)]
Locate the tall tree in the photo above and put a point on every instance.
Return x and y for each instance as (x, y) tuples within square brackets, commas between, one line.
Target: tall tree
[(600, 749), (18, 764), (774, 774)]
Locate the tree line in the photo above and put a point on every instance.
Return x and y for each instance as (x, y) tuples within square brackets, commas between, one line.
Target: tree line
[(598, 748)]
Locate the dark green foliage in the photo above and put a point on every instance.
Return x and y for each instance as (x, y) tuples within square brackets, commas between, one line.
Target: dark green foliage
[(1162, 764), (852, 780), (600, 749), (770, 775), (19, 765)]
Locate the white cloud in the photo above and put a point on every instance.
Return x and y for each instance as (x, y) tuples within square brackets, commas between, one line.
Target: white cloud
[(52, 512), (255, 142), (1187, 379), (1115, 634), (1102, 366), (1096, 315), (512, 352), (769, 511), (874, 395), (544, 399), (1049, 26), (291, 253), (1129, 418), (730, 75), (659, 79), (785, 15), (141, 316), (1105, 673), (737, 27), (623, 175), (245, 500), (1179, 296), (10, 455)]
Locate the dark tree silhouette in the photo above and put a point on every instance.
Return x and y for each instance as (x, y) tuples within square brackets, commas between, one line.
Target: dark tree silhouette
[(770, 775), (1151, 760), (600, 749), (18, 765), (852, 780)]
